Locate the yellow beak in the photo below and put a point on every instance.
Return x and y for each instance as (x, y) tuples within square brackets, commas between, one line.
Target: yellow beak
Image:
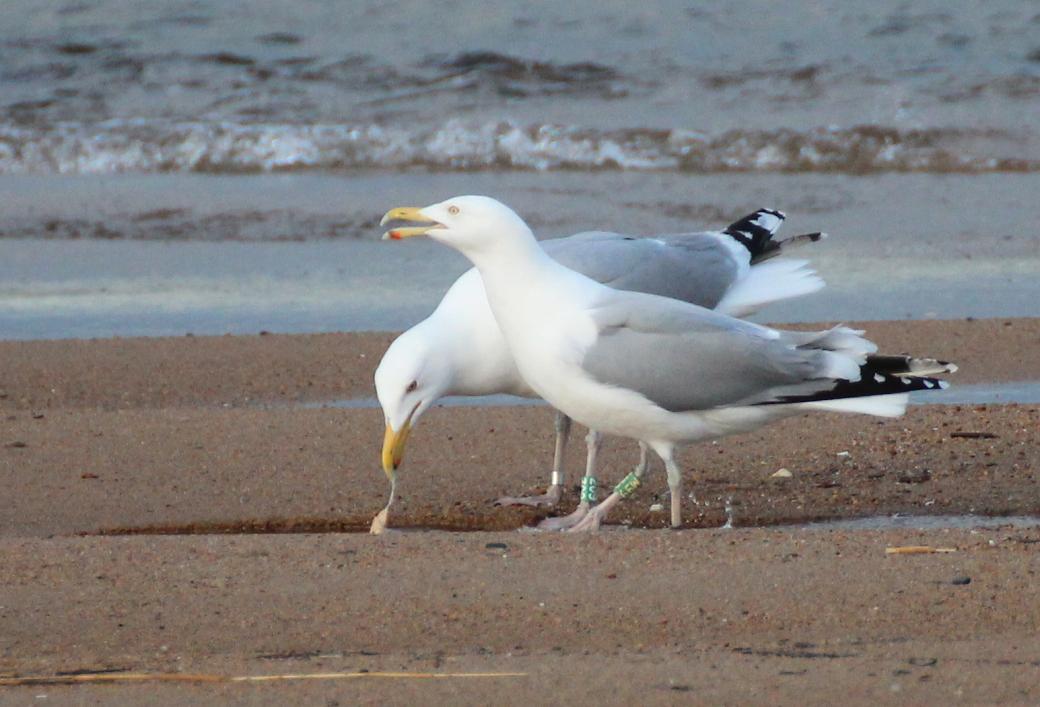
[(406, 213), (393, 447)]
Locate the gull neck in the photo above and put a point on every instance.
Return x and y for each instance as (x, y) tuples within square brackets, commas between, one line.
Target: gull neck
[(510, 255)]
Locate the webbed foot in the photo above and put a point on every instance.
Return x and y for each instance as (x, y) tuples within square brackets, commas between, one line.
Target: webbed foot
[(567, 521)]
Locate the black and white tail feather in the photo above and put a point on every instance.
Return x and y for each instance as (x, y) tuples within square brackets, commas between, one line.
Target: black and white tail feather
[(881, 386), (756, 231), (772, 281)]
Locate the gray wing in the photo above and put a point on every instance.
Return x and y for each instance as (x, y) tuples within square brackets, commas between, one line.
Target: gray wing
[(689, 358), (696, 267)]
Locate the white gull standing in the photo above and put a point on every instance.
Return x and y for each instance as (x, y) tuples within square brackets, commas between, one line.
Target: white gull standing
[(655, 369), (459, 349)]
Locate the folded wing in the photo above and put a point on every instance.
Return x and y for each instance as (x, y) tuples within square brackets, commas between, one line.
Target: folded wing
[(686, 358)]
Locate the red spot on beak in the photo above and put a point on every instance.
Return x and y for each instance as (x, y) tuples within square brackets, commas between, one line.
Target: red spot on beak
[(394, 235)]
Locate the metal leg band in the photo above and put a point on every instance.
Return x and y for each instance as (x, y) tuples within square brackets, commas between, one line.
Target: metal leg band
[(628, 485), (556, 478), (589, 489)]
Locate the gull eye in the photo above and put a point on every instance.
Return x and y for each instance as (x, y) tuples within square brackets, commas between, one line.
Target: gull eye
[(453, 210), (411, 387)]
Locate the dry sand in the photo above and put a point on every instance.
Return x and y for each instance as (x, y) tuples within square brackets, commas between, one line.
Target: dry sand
[(201, 435)]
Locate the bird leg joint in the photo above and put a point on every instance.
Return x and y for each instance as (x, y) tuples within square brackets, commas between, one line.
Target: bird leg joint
[(589, 488), (628, 485)]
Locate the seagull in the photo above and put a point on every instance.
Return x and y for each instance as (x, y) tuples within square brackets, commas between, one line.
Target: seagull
[(655, 369), (459, 350)]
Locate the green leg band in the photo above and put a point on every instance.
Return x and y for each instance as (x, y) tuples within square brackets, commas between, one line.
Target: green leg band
[(589, 489), (627, 486)]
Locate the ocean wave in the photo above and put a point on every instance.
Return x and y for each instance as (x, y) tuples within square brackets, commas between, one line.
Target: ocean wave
[(166, 225), (224, 72), (514, 76), (157, 146)]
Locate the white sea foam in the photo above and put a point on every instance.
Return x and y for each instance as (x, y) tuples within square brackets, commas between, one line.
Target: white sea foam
[(134, 146)]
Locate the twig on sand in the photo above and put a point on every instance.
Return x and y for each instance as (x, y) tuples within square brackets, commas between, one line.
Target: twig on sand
[(106, 677), (917, 550)]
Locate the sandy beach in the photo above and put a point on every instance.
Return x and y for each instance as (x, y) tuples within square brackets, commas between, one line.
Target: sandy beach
[(210, 503)]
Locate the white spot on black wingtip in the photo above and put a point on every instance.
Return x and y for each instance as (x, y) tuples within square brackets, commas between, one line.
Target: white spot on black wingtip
[(904, 381), (943, 385), (878, 378), (929, 384), (767, 219)]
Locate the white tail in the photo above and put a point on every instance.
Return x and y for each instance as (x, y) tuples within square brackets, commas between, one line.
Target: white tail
[(769, 282), (842, 340), (892, 405)]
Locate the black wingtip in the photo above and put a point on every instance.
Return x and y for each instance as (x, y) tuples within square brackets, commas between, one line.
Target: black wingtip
[(756, 230), (868, 386), (881, 375), (801, 238)]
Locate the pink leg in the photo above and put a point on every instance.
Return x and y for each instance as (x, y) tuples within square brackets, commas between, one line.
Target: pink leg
[(552, 494)]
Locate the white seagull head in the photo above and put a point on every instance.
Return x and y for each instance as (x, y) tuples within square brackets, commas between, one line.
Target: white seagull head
[(467, 223), (408, 380)]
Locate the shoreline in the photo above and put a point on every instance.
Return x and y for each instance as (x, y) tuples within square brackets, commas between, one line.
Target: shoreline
[(145, 372)]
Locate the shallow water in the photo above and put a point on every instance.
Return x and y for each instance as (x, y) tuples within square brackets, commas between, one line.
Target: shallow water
[(937, 522), (1018, 392), (170, 254)]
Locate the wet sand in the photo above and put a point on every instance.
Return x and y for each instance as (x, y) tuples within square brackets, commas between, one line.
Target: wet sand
[(106, 443), (242, 370), (216, 254)]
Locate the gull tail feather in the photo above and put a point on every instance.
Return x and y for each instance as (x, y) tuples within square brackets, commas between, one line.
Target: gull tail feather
[(756, 232), (770, 282), (839, 339), (892, 405)]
